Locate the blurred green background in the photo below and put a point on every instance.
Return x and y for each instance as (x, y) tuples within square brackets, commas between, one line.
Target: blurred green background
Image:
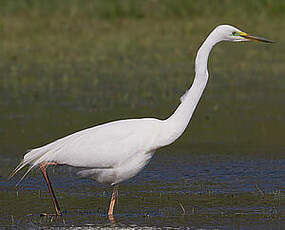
[(68, 65)]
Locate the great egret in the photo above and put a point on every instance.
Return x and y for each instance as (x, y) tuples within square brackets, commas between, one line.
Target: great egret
[(116, 151)]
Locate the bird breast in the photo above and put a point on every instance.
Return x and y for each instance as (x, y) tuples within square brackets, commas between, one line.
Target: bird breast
[(120, 173)]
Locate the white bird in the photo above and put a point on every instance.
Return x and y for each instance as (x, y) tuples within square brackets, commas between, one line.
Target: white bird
[(116, 151)]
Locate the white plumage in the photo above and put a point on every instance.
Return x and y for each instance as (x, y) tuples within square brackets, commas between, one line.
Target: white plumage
[(116, 151), (110, 153)]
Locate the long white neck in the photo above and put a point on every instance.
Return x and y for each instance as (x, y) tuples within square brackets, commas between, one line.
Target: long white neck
[(174, 126)]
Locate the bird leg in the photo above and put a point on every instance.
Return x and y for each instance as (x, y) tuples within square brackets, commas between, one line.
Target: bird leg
[(113, 200), (43, 168)]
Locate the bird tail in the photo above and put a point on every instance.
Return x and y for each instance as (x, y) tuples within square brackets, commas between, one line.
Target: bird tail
[(32, 158)]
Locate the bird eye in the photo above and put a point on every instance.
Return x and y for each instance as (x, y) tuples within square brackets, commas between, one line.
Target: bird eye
[(235, 33)]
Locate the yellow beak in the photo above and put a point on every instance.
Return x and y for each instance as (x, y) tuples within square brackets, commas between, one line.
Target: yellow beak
[(255, 38)]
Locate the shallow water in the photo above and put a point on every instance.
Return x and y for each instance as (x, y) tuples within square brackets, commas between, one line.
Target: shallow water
[(219, 174), (177, 189), (227, 170)]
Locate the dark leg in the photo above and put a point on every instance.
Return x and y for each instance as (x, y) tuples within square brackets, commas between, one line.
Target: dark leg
[(43, 167)]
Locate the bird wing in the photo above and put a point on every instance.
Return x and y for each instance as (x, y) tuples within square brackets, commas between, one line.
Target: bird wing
[(103, 146)]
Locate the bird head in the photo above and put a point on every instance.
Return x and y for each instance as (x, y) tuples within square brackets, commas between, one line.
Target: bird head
[(230, 33)]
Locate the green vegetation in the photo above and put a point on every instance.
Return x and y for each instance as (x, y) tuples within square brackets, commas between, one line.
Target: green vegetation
[(70, 64), (111, 9), (118, 59), (153, 208)]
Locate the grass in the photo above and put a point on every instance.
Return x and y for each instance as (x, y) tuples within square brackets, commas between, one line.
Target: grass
[(149, 208), (113, 9), (67, 65), (120, 59)]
